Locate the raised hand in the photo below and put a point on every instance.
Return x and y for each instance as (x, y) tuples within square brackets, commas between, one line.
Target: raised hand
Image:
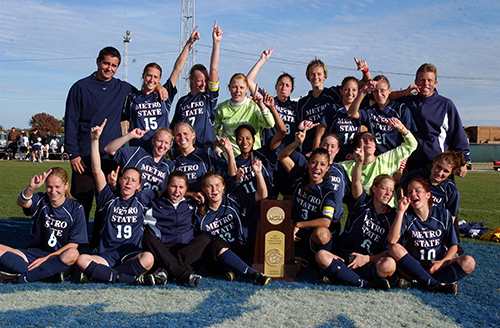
[(266, 54), (96, 131), (361, 64), (138, 133), (404, 202), (217, 33), (38, 180), (268, 100), (306, 125), (256, 165), (257, 97), (359, 155), (394, 122), (113, 177), (194, 36), (225, 143)]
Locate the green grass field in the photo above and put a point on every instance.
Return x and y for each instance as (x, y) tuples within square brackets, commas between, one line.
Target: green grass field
[(479, 191)]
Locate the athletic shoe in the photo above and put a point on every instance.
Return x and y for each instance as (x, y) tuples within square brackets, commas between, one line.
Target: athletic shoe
[(382, 284), (145, 280), (194, 280), (231, 276), (327, 280), (84, 278), (260, 279), (405, 284), (161, 276), (6, 277), (57, 278), (445, 288)]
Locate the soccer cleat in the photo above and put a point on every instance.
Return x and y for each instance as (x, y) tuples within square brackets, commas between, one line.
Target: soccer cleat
[(327, 280), (231, 276), (145, 280), (382, 284), (57, 278), (6, 277), (445, 288), (161, 276), (194, 280), (405, 284), (84, 278), (260, 279)]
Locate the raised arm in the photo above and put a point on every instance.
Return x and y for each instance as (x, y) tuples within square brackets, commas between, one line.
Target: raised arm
[(116, 144), (252, 75), (395, 230), (357, 187), (410, 91), (284, 154), (213, 75), (231, 161), (95, 156), (181, 60), (363, 67), (24, 198), (261, 192), (280, 125), (353, 110), (320, 130)]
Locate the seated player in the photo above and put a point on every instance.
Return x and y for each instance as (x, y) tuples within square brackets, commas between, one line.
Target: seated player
[(169, 234), (58, 229), (426, 257), (119, 257), (223, 216), (360, 258)]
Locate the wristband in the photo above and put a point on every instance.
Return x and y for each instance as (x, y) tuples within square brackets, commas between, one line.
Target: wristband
[(402, 129), (402, 166), (24, 198), (366, 70)]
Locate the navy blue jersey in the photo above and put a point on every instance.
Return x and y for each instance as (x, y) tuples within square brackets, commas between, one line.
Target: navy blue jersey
[(55, 227), (248, 183), (310, 108), (387, 137), (199, 110), (199, 162), (147, 112), (123, 218), (365, 230), (171, 223), (228, 221), (153, 175), (288, 113), (335, 119), (338, 180), (428, 240), (439, 127), (89, 102), (444, 195)]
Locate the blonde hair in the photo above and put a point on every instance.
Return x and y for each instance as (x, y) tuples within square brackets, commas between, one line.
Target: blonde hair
[(63, 175), (316, 63)]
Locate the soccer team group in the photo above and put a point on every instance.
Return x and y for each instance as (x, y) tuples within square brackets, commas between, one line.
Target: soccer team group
[(186, 193)]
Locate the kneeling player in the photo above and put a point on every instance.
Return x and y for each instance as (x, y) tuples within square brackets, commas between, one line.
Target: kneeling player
[(362, 258), (119, 257), (58, 228), (428, 251)]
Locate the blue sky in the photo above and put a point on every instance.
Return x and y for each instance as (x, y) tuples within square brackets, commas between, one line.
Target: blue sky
[(45, 46)]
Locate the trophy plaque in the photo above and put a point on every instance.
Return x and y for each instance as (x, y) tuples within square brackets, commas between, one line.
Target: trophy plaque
[(274, 246)]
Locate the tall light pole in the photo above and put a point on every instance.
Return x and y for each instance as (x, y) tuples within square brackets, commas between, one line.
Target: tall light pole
[(187, 26), (126, 40)]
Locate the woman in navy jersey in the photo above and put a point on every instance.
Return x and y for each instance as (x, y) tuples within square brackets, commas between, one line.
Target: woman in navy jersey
[(360, 258), (426, 255), (444, 192), (314, 202), (58, 229), (223, 216), (195, 162), (337, 176), (335, 119), (153, 164), (312, 106), (373, 117), (119, 257), (143, 109), (198, 106), (169, 234)]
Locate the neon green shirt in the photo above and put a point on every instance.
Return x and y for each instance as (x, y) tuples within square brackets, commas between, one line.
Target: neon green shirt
[(386, 163), (228, 117)]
